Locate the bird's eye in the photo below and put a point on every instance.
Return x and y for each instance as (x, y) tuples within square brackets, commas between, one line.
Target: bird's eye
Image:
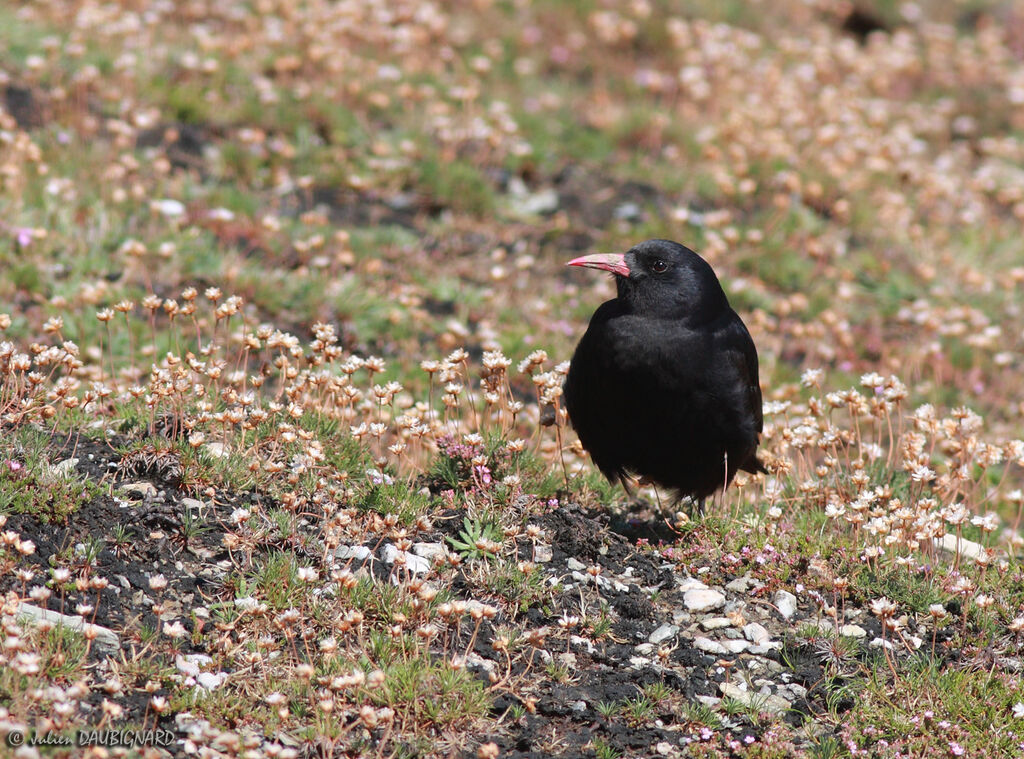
[(659, 267)]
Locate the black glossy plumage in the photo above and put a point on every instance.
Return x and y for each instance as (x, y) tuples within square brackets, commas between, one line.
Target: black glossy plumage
[(664, 384)]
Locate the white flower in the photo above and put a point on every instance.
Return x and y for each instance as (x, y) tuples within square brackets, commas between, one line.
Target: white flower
[(872, 380), (157, 582), (246, 603), (983, 601), (174, 629), (988, 523), (811, 377), (882, 607), (955, 514), (922, 474)]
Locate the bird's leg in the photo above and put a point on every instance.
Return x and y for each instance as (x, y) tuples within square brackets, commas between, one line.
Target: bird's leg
[(561, 452), (644, 482), (624, 481)]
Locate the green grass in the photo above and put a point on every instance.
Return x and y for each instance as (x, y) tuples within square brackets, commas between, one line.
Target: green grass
[(964, 709), (31, 482)]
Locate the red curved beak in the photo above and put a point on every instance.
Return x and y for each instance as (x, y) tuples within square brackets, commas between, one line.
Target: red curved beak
[(613, 262)]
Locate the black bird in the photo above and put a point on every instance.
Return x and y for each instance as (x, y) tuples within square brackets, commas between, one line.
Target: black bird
[(664, 383)]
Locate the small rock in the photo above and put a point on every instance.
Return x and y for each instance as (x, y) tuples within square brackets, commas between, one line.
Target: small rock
[(709, 701), (639, 662), (792, 692), (703, 599), (105, 640), (742, 584), (359, 553), (601, 581), (691, 583), (664, 748), (579, 641), (853, 631), (192, 503), (708, 646), (65, 468), (189, 664), (217, 450), (731, 690), (432, 551), (715, 623), (882, 643), (542, 554), (644, 649), (400, 201), (663, 633), (681, 618), (756, 666), (756, 633), (142, 489), (578, 706), (477, 662), (413, 563), (966, 548), (628, 211), (773, 703), (533, 204), (211, 680), (785, 602), (1004, 662), (575, 565), (734, 646), (763, 649)]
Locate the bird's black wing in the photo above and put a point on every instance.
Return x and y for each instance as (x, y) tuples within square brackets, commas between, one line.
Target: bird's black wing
[(747, 366), (591, 386), (741, 354)]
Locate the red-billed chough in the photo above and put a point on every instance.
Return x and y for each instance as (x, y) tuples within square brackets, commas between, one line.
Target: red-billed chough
[(664, 383)]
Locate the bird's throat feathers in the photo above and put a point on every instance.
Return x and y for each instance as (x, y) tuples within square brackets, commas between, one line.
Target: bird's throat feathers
[(685, 300)]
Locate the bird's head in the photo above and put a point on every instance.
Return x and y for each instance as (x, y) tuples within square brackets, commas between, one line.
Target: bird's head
[(662, 279)]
